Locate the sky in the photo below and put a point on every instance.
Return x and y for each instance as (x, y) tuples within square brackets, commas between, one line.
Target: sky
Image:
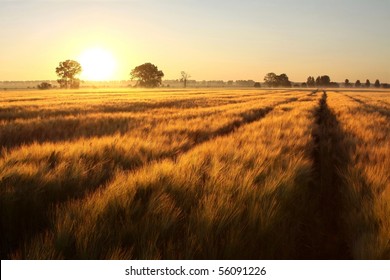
[(210, 39)]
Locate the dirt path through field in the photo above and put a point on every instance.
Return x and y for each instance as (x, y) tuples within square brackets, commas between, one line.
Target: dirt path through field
[(323, 229)]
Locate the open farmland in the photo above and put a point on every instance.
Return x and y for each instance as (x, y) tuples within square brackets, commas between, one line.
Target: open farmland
[(195, 174)]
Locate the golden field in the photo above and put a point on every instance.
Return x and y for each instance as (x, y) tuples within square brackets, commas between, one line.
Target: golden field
[(195, 174)]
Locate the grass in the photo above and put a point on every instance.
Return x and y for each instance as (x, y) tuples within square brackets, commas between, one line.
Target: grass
[(366, 175), (194, 174)]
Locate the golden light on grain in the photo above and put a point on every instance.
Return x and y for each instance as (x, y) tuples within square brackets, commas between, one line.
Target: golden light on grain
[(98, 64), (253, 144)]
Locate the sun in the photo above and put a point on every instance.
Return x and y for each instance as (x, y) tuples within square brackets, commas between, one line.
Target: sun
[(97, 65)]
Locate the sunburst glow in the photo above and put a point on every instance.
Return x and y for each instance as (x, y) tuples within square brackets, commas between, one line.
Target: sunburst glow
[(98, 65)]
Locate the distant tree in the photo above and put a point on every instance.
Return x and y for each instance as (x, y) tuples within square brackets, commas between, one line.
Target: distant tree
[(271, 79), (230, 83), (216, 83), (304, 85), (318, 81), (67, 71), (323, 81), (385, 85), (358, 83), (347, 83), (245, 83), (44, 85), (377, 84), (310, 82), (283, 80), (184, 77), (368, 83), (257, 84), (147, 74)]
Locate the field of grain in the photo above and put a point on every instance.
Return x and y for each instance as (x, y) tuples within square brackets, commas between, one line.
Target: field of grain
[(195, 174)]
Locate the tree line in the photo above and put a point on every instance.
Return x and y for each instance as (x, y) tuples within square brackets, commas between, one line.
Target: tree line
[(358, 84), (149, 76), (282, 80)]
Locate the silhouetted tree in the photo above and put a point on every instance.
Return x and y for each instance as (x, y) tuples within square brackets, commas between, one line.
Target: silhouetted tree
[(44, 85), (358, 83), (318, 81), (368, 83), (184, 77), (283, 80), (257, 84), (310, 82), (323, 81), (347, 83), (147, 74), (377, 84), (270, 79), (273, 80), (67, 71)]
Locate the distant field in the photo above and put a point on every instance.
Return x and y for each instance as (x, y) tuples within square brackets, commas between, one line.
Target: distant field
[(195, 174)]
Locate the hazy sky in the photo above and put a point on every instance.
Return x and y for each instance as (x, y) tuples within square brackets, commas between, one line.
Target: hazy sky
[(214, 39)]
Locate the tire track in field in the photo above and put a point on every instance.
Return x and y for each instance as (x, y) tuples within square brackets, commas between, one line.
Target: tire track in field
[(14, 134), (37, 220), (323, 235), (8, 114), (313, 93), (369, 108), (247, 117)]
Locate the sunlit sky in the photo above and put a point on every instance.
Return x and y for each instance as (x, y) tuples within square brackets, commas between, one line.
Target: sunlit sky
[(212, 40)]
